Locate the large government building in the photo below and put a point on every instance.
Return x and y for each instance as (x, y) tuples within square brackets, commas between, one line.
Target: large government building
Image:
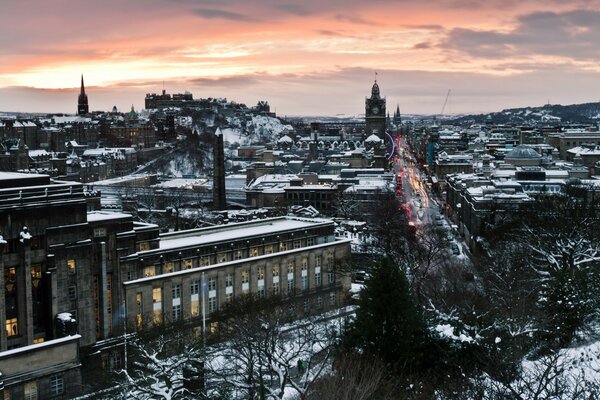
[(75, 278)]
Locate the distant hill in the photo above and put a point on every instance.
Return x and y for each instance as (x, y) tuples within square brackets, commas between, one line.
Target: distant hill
[(549, 114)]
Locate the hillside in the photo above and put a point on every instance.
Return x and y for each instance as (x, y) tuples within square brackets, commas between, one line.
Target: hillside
[(550, 114)]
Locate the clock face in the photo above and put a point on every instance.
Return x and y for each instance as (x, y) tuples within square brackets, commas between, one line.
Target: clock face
[(375, 110)]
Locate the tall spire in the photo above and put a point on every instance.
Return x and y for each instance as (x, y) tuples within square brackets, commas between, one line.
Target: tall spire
[(82, 101)]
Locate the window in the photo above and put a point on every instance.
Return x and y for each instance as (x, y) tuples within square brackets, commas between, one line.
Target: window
[(318, 261), (212, 304), (304, 273), (30, 391), (188, 263), (72, 293), (157, 305), (131, 275), (310, 241), (318, 279), (195, 307), (12, 327), (319, 302), (297, 244), (222, 257), (195, 287), (205, 261), (7, 394), (253, 251), (269, 249), (260, 273), (332, 299), (143, 246), (57, 386), (169, 267), (245, 280), (306, 305), (99, 232), (149, 271), (229, 280), (176, 291), (212, 284), (71, 266), (282, 246), (156, 295), (237, 255), (330, 277), (304, 282), (176, 312)]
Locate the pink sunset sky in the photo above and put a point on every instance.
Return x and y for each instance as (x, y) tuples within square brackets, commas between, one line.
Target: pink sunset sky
[(305, 57)]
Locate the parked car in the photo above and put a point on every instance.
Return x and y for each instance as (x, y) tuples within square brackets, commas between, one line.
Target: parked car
[(455, 249)]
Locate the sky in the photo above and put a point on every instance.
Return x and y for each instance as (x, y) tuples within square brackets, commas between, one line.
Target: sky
[(309, 57)]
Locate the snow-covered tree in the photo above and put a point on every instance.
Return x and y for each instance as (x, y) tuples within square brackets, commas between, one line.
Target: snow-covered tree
[(157, 361), (264, 356)]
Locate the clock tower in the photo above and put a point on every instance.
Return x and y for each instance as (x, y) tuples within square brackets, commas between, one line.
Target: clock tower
[(375, 113)]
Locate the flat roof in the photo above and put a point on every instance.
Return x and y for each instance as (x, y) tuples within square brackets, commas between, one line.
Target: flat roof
[(95, 216), (232, 232)]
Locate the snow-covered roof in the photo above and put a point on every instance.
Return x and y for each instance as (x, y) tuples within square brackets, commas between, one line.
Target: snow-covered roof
[(95, 216), (373, 138), (232, 232)]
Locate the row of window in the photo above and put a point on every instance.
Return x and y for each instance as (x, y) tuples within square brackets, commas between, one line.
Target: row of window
[(221, 257), (30, 389), (212, 306)]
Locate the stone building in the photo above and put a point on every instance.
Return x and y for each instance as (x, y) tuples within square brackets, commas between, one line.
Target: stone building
[(73, 279)]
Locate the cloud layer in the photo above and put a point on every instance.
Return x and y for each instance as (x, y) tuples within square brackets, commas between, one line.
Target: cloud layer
[(310, 57)]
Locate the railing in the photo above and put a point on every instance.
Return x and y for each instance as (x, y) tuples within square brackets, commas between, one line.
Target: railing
[(31, 194)]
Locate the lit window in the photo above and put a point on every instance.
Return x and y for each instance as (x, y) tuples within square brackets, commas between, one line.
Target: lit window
[(143, 246), (71, 266), (188, 263), (30, 391), (169, 267), (156, 295), (269, 249), (282, 246), (150, 271), (12, 327), (254, 252)]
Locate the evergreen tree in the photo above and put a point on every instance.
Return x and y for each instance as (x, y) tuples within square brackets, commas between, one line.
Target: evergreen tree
[(389, 325)]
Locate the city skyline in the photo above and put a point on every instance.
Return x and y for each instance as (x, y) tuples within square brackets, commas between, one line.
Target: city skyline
[(309, 58)]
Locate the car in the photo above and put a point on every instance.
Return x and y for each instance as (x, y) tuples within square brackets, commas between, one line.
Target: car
[(455, 249)]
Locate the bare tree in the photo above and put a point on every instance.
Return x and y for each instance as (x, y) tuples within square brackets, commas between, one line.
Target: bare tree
[(158, 360), (355, 378), (264, 355)]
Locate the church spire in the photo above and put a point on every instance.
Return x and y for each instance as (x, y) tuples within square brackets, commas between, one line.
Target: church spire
[(82, 100)]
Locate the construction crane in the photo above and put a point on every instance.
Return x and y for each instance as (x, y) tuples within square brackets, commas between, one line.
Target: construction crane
[(445, 102)]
